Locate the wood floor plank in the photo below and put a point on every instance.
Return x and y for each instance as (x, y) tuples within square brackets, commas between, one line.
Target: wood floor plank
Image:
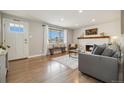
[(44, 70)]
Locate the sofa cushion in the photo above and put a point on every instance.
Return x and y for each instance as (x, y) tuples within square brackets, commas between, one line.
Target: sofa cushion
[(73, 45), (98, 50), (108, 52), (94, 47)]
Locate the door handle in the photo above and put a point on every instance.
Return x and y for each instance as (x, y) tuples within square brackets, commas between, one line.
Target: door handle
[(25, 41)]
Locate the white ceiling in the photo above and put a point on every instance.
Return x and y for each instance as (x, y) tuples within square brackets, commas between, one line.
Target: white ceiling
[(71, 17)]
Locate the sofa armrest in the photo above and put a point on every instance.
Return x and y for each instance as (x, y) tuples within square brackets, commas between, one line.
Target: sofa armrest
[(100, 67)]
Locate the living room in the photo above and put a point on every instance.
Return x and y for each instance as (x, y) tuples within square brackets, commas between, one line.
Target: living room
[(59, 46)]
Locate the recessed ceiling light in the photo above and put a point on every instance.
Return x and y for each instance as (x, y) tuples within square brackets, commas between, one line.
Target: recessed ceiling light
[(93, 20), (62, 19), (80, 11)]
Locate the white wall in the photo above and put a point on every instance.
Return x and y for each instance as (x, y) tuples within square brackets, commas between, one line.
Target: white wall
[(76, 34), (69, 37), (36, 35), (111, 29), (0, 29), (122, 22), (36, 38), (122, 29)]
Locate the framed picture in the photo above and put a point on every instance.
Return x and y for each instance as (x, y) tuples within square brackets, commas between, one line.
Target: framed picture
[(91, 31)]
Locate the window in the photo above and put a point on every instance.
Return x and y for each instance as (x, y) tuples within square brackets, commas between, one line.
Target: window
[(16, 27), (56, 36)]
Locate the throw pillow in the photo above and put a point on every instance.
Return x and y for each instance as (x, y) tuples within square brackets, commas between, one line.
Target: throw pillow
[(98, 50), (108, 52), (72, 45), (94, 47)]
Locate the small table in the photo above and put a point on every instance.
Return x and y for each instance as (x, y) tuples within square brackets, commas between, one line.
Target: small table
[(75, 52), (52, 50)]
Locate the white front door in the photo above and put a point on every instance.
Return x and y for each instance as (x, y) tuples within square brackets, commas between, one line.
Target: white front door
[(16, 38)]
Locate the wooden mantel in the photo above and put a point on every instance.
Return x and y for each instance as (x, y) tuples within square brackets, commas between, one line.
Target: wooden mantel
[(96, 37)]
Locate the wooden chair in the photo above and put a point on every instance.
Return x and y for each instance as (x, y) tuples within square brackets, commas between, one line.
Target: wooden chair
[(72, 49)]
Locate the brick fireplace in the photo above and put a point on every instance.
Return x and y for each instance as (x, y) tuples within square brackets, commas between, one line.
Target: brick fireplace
[(88, 42)]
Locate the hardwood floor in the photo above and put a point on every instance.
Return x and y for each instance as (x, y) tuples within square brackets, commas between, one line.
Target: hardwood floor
[(44, 70)]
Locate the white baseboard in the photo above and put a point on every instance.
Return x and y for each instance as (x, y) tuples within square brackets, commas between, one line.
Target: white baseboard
[(36, 55)]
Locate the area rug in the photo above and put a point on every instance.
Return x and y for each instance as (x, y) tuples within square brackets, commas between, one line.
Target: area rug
[(70, 62)]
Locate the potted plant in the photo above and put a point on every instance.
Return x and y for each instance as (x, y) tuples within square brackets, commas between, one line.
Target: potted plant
[(2, 46)]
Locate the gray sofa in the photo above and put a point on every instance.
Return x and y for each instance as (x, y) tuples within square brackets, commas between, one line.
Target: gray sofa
[(100, 67)]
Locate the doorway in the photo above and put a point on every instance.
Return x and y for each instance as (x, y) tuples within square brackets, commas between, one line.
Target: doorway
[(16, 38)]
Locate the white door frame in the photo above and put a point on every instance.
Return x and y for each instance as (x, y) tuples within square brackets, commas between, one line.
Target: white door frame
[(23, 22)]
